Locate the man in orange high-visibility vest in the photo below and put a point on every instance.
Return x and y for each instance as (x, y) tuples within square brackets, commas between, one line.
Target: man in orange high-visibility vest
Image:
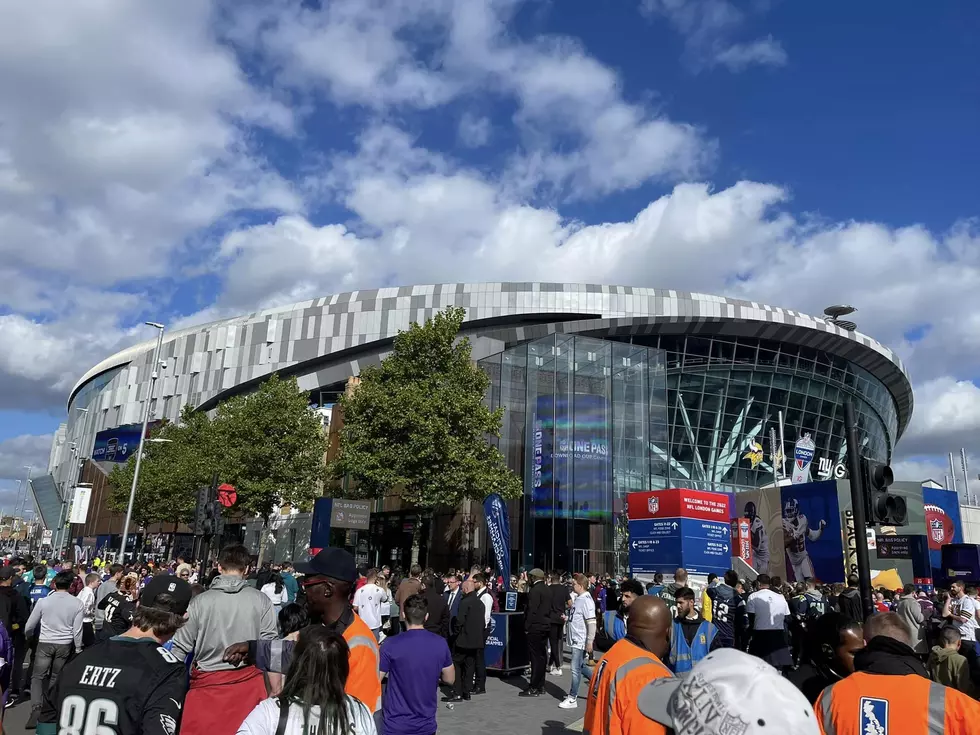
[(890, 691), (626, 668)]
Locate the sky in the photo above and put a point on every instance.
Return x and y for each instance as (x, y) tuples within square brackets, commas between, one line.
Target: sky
[(192, 160)]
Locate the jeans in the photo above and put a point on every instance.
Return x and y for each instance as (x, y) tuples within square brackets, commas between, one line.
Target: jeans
[(580, 665), (50, 660)]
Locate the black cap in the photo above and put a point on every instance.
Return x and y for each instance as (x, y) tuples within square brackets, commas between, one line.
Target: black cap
[(330, 562), (166, 584), (7, 573)]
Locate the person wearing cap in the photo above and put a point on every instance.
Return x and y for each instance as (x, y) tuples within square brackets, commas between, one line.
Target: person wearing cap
[(128, 684), (726, 692), (626, 668), (221, 693), (890, 691), (328, 579)]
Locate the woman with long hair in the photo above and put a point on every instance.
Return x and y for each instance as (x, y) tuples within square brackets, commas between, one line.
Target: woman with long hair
[(272, 587), (313, 698)]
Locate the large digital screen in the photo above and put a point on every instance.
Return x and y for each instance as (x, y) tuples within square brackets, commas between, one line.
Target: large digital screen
[(119, 444), (572, 458)]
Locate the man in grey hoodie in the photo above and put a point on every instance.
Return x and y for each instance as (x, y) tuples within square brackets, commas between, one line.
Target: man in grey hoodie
[(221, 694), (59, 616)]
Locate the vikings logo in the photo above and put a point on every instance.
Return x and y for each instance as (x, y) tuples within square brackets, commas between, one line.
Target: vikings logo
[(754, 455)]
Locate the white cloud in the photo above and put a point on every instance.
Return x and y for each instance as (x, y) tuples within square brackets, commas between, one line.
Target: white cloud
[(474, 132), (947, 416), (19, 452), (708, 27), (764, 52)]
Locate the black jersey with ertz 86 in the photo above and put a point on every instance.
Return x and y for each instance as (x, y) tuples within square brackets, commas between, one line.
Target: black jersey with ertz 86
[(128, 686)]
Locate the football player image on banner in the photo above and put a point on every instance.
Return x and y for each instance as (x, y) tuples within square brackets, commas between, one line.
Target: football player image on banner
[(762, 508), (802, 458), (812, 532)]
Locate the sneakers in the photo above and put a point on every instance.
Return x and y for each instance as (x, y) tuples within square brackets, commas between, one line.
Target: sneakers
[(569, 703), (530, 693), (555, 671)]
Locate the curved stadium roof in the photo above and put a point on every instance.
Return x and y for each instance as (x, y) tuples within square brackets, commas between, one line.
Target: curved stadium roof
[(213, 359)]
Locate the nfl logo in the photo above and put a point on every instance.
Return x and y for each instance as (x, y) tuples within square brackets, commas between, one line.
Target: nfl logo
[(653, 504), (937, 530)]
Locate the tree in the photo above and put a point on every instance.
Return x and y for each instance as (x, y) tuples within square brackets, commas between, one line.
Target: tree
[(171, 472), (272, 447), (417, 426)]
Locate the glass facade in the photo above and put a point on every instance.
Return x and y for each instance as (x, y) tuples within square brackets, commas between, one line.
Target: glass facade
[(588, 420), (725, 396), (580, 418)]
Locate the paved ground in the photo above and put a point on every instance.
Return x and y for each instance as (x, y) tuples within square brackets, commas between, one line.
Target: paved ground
[(500, 709)]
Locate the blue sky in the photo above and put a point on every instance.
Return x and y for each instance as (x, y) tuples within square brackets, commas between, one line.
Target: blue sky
[(254, 153)]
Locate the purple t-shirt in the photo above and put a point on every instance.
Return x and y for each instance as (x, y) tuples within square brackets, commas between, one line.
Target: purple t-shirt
[(413, 661)]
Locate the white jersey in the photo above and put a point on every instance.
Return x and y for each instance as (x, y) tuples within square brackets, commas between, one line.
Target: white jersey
[(795, 532)]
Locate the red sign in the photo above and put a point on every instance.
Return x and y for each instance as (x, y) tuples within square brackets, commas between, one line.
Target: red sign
[(922, 581), (700, 505), (742, 539), (227, 495)]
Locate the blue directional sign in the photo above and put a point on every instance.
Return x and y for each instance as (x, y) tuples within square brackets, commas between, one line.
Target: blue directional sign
[(662, 545)]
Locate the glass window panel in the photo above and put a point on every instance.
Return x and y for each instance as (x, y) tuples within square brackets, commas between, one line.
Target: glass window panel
[(778, 398), (787, 360), (760, 377), (737, 391), (722, 351), (745, 353), (767, 358)]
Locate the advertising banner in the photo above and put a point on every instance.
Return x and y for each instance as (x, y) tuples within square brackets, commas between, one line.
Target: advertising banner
[(795, 531), (79, 504), (943, 524), (118, 445), (498, 531), (802, 458), (850, 543), (493, 652), (812, 532), (742, 539), (572, 466), (679, 528), (320, 525)]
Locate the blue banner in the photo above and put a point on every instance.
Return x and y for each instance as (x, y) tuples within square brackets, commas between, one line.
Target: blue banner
[(496, 644), (116, 445), (498, 530), (320, 527), (943, 524), (812, 532)]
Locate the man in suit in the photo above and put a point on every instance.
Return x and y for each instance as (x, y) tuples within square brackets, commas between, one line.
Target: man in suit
[(453, 595), (437, 620), (470, 641)]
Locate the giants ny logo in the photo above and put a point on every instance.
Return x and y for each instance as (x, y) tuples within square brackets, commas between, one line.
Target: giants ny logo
[(873, 716)]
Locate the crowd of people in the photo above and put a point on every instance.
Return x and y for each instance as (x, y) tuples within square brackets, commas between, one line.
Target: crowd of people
[(325, 647)]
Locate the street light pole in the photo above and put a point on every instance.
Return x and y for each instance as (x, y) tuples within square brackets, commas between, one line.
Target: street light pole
[(23, 503), (139, 451)]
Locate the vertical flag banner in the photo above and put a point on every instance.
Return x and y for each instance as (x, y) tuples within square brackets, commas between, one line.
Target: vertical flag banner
[(802, 457), (943, 524), (498, 530)]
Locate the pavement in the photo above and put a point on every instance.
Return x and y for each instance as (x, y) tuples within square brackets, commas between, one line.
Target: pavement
[(500, 709)]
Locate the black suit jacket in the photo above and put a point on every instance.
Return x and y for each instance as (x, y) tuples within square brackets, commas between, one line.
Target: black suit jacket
[(453, 609), (470, 622), (538, 612), (438, 620)]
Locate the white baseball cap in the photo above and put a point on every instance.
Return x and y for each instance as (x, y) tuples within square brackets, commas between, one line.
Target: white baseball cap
[(729, 693)]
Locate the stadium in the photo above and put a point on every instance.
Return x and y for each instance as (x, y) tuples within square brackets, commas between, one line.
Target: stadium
[(606, 389)]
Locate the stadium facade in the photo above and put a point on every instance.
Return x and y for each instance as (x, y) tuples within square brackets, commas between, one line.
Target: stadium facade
[(631, 388)]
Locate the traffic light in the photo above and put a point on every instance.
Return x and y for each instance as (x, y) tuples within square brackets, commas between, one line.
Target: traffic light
[(214, 523), (883, 508)]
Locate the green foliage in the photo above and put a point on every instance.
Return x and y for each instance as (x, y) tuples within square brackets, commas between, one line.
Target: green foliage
[(417, 425), (171, 472), (273, 447), (268, 444)]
